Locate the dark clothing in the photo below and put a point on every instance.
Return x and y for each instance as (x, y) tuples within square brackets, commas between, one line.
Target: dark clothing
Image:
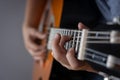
[(61, 73), (75, 11), (109, 9)]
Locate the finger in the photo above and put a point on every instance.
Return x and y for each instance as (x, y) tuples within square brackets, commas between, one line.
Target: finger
[(74, 63), (42, 52), (58, 53), (55, 43), (40, 58), (64, 39), (33, 46), (56, 47), (41, 55), (38, 52), (38, 34), (81, 26)]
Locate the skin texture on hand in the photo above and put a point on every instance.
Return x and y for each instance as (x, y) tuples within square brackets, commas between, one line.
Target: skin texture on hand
[(67, 57), (31, 35), (37, 51)]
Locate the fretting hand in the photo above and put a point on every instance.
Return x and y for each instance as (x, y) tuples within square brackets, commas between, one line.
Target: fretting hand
[(67, 57)]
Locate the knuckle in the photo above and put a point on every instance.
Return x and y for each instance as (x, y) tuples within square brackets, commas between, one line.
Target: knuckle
[(53, 42), (68, 55), (36, 48), (58, 58), (61, 45), (75, 67)]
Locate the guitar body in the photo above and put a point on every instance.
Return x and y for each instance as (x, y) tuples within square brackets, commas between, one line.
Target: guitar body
[(42, 71)]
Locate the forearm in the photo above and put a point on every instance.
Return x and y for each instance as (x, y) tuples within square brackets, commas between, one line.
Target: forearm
[(33, 13)]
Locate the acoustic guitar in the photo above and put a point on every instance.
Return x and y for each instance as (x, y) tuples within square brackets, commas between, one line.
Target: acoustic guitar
[(50, 18)]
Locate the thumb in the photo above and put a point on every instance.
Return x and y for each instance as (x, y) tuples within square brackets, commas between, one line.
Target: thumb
[(38, 34), (81, 26)]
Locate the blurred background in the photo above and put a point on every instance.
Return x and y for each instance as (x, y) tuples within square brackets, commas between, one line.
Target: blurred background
[(15, 62)]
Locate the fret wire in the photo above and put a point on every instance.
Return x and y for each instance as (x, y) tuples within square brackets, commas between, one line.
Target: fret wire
[(66, 42), (63, 33), (70, 42), (78, 43), (66, 30), (73, 44)]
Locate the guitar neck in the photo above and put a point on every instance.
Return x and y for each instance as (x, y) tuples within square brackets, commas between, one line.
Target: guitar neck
[(91, 37), (79, 40)]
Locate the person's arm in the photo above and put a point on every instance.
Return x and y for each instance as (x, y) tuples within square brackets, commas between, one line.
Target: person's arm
[(33, 13), (34, 10)]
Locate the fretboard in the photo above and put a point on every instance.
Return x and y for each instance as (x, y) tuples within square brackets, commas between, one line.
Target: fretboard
[(79, 39), (92, 37)]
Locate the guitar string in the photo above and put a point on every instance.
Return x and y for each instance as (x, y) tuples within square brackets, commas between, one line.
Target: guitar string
[(92, 37), (106, 34), (102, 32), (99, 55), (89, 36), (95, 39)]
